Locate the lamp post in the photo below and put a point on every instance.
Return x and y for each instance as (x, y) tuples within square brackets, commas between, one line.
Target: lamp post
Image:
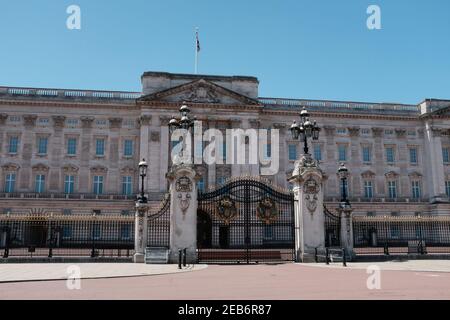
[(142, 172), (343, 175), (305, 129), (184, 122)]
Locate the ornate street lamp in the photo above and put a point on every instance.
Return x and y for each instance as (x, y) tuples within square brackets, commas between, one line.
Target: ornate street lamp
[(185, 122), (305, 129), (142, 172), (343, 175)]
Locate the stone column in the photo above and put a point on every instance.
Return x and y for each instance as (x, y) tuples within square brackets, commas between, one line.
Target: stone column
[(115, 124), (27, 143), (378, 160), (164, 153), (144, 122), (56, 153), (283, 154), (308, 181), (354, 187), (3, 117), (140, 232), (345, 213), (434, 164), (183, 212), (85, 154)]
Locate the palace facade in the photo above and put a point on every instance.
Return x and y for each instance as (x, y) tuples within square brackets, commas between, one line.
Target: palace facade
[(77, 151)]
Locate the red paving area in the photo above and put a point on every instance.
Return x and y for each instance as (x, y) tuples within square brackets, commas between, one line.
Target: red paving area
[(289, 281)]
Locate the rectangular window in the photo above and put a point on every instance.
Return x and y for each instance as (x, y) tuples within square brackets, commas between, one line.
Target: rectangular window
[(72, 146), (69, 182), (445, 155), (395, 231), (317, 152), (224, 151), (367, 157), (98, 185), (67, 232), (127, 185), (365, 131), (390, 156), (128, 148), (125, 232), (42, 145), (201, 184), (13, 144), (100, 147), (413, 155), (447, 188), (221, 180), (368, 189), (392, 189), (415, 188), (342, 153), (292, 150), (96, 231), (10, 182), (39, 186), (341, 130)]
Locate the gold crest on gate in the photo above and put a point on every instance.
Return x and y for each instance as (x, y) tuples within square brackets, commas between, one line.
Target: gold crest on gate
[(226, 209), (267, 210)]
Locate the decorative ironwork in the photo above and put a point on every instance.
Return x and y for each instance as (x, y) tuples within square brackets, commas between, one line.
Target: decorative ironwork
[(158, 224), (226, 209), (66, 235), (332, 229), (244, 236), (267, 210), (401, 234)]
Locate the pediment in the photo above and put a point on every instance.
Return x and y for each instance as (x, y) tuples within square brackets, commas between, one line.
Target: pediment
[(199, 91), (368, 174)]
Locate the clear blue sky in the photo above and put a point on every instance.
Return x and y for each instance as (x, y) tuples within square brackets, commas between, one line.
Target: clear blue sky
[(297, 49)]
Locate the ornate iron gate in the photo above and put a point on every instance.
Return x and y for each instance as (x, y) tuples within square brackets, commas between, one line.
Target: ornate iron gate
[(158, 225), (332, 228), (247, 220)]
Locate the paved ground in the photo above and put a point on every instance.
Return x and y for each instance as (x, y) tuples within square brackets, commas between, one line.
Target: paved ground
[(289, 281), (13, 272)]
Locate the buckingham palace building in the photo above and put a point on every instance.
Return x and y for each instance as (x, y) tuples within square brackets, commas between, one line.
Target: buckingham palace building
[(77, 151)]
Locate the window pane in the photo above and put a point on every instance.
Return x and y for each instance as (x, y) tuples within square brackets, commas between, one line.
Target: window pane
[(40, 183), (72, 146), (10, 182), (128, 151), (42, 145), (366, 154), (445, 155), (317, 152), (342, 150), (100, 147), (413, 155), (292, 149), (390, 154), (13, 144)]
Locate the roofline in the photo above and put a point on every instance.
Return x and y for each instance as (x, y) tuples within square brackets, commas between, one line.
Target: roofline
[(197, 76)]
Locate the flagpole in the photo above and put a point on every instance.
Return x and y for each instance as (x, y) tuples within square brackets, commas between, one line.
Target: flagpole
[(196, 51)]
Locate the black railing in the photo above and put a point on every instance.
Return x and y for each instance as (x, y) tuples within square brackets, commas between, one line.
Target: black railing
[(66, 235), (401, 235)]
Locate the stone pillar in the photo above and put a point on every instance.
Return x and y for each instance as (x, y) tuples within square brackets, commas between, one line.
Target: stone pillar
[(345, 213), (308, 181), (183, 212), (434, 164), (140, 232), (144, 122)]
